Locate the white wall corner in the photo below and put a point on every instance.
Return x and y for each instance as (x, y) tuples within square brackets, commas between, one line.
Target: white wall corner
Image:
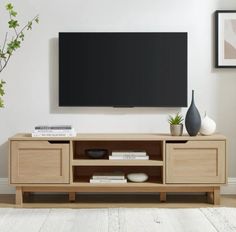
[(5, 188), (229, 188)]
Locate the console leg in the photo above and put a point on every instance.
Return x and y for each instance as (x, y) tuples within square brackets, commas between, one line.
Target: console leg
[(217, 196), (19, 196), (210, 197), (71, 196), (162, 197)]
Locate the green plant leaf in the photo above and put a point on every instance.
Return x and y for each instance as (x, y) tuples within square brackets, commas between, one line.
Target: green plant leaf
[(2, 55), (175, 120), (13, 23), (12, 46), (9, 6), (17, 44), (22, 36), (2, 92), (1, 103), (13, 13), (29, 26)]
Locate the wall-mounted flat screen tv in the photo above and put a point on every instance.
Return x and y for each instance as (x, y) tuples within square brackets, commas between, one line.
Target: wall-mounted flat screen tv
[(120, 69)]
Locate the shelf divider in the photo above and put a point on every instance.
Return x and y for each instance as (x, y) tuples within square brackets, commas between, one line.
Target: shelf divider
[(103, 162)]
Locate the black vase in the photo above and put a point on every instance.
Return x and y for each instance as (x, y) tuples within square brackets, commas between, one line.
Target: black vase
[(192, 119)]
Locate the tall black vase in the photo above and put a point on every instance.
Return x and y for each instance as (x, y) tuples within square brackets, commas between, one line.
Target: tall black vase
[(192, 119)]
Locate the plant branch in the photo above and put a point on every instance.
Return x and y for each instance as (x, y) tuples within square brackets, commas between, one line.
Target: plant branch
[(6, 60), (5, 40), (26, 26), (5, 64), (3, 48), (12, 44)]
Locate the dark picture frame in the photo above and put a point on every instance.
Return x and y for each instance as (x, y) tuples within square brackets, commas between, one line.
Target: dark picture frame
[(225, 39)]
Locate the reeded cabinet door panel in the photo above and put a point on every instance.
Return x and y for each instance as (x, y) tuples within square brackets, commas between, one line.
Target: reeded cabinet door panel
[(39, 162), (196, 162)]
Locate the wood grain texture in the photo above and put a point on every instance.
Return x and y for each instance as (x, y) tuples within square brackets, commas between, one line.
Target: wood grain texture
[(210, 197), (121, 137), (103, 162), (162, 197), (216, 196), (177, 164), (196, 162), (152, 148), (116, 200), (19, 196), (39, 162)]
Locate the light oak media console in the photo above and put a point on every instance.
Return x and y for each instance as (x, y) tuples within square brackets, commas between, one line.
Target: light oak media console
[(176, 164)]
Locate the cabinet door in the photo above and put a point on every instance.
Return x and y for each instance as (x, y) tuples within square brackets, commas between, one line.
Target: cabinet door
[(196, 162), (39, 162)]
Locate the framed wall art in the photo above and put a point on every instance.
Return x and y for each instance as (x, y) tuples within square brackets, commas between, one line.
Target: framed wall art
[(225, 23)]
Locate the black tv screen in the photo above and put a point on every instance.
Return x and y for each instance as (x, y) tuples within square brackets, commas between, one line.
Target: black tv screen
[(123, 69)]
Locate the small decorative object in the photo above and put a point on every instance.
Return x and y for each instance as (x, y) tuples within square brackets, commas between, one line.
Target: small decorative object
[(96, 153), (208, 126), (176, 125), (137, 177), (192, 119), (225, 22)]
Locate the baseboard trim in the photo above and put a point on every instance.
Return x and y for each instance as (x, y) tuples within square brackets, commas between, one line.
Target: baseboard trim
[(5, 188), (230, 188)]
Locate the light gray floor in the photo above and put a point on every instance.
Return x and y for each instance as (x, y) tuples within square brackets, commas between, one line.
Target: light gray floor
[(118, 220)]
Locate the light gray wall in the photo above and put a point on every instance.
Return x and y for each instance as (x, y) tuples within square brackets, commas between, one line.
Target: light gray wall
[(32, 74)]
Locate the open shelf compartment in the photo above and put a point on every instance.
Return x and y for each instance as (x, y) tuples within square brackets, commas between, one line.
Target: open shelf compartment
[(82, 174), (154, 149)]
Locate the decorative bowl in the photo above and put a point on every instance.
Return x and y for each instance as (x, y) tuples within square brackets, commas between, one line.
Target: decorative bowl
[(137, 177), (96, 153)]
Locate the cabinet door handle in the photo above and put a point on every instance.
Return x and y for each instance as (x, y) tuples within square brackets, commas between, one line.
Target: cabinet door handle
[(177, 141), (58, 142)]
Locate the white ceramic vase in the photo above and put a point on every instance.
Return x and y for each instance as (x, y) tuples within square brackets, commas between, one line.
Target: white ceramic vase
[(208, 126)]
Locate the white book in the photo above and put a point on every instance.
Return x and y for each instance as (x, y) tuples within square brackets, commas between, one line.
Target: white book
[(128, 157), (53, 127), (38, 134), (131, 153), (109, 175), (54, 131), (107, 181)]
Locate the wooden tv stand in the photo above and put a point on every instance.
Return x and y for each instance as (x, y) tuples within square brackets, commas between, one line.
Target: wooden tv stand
[(177, 164)]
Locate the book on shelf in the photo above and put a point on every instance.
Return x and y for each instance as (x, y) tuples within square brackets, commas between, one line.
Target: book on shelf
[(54, 131), (128, 157), (53, 127), (129, 153), (53, 134), (107, 181), (108, 176)]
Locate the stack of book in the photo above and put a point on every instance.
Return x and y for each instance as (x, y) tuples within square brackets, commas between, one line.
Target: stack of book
[(108, 177), (54, 131), (129, 155)]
